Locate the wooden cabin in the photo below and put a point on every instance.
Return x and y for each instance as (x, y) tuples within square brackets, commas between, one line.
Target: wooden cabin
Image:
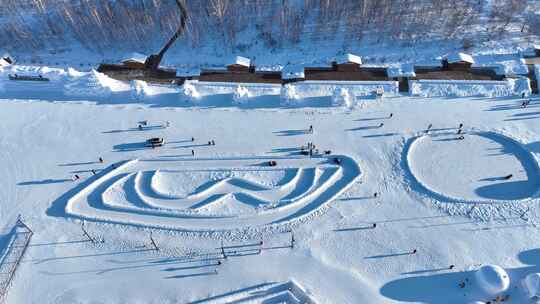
[(134, 61), (347, 63), (346, 68), (457, 62), (240, 64)]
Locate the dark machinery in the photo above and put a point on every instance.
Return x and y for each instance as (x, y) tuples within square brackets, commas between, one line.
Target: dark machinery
[(150, 71), (153, 61)]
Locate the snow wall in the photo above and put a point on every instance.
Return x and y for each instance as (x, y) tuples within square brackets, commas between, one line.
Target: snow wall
[(464, 88), (194, 88), (343, 93)]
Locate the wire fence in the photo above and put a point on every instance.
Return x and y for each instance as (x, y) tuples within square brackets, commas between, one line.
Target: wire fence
[(17, 241)]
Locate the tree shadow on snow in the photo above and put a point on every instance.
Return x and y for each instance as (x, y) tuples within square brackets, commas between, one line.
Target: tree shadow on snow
[(291, 132), (44, 182), (135, 146)]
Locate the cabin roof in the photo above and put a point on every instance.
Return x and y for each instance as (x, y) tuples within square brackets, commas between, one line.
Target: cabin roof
[(135, 57), (459, 57), (348, 58), (239, 60)]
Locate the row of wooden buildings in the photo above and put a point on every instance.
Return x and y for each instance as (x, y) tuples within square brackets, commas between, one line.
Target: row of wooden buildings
[(348, 67)]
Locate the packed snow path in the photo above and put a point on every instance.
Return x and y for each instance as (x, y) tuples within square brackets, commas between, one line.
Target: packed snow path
[(480, 167), (130, 194)]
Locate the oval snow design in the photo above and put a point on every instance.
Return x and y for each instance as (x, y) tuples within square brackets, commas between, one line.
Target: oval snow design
[(213, 195), (481, 167)]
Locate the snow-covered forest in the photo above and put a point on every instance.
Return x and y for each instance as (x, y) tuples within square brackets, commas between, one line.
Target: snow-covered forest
[(143, 25)]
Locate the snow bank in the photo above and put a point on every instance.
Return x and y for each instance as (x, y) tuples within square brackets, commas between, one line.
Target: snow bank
[(463, 88), (214, 88), (492, 279), (138, 89), (312, 88), (342, 98), (92, 84)]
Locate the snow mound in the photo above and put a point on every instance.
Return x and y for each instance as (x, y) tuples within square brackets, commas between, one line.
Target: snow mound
[(138, 89), (91, 84), (313, 88), (492, 279), (463, 88), (289, 96), (241, 95), (229, 205), (71, 72), (342, 98), (190, 92), (178, 183), (531, 283)]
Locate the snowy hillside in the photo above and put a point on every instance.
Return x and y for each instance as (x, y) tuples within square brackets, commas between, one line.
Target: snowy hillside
[(53, 32)]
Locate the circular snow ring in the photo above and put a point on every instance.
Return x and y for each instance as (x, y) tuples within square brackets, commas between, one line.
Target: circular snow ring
[(471, 170)]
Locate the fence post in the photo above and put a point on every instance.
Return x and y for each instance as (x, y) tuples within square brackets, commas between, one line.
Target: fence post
[(156, 248), (91, 239), (223, 250)]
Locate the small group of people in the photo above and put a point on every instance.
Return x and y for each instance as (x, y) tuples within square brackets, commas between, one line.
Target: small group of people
[(525, 103), (101, 161), (311, 149), (144, 123)]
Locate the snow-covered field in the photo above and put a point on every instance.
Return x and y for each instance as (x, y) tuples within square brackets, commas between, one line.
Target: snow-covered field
[(444, 197)]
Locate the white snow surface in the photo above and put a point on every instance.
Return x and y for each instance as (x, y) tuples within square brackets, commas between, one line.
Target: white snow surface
[(337, 256)]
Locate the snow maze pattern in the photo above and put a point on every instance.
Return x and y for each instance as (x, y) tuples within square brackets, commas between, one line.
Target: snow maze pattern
[(266, 293), (213, 195), (471, 170)]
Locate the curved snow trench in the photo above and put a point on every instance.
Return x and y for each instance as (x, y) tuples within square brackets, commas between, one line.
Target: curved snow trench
[(213, 194), (492, 167)]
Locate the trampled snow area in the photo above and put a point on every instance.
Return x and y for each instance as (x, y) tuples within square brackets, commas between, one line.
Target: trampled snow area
[(444, 198)]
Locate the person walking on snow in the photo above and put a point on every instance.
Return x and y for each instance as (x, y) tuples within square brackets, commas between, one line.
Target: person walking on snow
[(311, 129), (101, 160)]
